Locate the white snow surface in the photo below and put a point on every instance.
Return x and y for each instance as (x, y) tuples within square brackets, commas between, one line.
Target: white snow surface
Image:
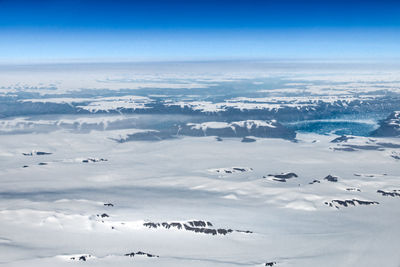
[(49, 213)]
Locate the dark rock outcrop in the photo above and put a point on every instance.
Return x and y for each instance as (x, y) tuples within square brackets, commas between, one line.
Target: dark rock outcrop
[(239, 169), (353, 189), (331, 178), (93, 160), (394, 193), (197, 226), (151, 225), (287, 175), (200, 223), (248, 140), (140, 253), (395, 155), (341, 139), (81, 258), (389, 127), (349, 202), (232, 170), (37, 153), (283, 176)]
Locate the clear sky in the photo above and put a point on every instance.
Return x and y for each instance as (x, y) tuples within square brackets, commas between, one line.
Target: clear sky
[(35, 31)]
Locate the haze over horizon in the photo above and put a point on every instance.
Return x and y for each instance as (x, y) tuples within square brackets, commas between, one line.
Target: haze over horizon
[(96, 31)]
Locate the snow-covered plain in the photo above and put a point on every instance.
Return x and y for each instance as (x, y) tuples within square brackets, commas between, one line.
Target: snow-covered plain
[(52, 215), (200, 164)]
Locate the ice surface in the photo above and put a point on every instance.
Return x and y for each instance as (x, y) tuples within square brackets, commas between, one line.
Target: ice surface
[(50, 214)]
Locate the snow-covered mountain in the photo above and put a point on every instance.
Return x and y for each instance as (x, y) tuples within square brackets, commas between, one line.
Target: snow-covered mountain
[(257, 128), (390, 126)]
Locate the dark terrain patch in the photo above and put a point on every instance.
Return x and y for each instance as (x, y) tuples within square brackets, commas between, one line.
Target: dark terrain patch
[(198, 226), (349, 202), (394, 193), (331, 178)]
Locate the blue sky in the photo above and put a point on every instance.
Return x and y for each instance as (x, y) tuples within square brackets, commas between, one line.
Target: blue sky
[(117, 30)]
